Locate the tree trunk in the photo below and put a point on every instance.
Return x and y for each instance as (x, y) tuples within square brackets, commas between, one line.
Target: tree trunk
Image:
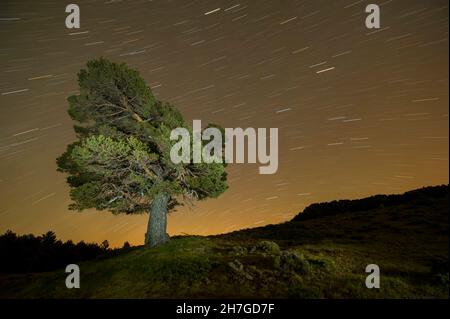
[(157, 223)]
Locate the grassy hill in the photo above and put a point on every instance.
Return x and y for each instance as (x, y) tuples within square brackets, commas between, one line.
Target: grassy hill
[(321, 253)]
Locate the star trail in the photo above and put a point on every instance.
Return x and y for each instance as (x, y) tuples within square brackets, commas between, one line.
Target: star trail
[(359, 111)]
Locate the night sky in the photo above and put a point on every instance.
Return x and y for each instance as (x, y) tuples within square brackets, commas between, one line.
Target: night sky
[(359, 112)]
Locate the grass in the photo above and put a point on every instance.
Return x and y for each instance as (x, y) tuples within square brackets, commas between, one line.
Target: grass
[(322, 257)]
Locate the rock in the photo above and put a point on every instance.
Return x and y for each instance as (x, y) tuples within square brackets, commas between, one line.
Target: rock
[(238, 250), (238, 268), (293, 278), (290, 261), (254, 271), (236, 265), (266, 247)]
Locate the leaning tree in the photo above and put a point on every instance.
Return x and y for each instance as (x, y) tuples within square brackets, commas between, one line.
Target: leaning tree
[(121, 159)]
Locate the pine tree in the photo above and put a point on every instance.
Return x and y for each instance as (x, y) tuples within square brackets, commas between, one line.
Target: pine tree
[(121, 159)]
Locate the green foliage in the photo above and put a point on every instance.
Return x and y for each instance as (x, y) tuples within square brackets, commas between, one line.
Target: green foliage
[(121, 159)]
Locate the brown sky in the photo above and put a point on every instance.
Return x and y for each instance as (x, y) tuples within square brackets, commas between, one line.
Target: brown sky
[(376, 123)]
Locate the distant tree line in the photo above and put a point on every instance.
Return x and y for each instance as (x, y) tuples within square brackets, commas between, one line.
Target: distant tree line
[(378, 201), (29, 253)]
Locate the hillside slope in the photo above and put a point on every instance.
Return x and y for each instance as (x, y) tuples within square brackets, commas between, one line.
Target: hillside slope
[(322, 253)]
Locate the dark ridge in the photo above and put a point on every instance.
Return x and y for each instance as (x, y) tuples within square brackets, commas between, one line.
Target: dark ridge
[(418, 196)]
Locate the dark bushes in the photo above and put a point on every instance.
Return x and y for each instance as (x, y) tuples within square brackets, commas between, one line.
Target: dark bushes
[(29, 253)]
